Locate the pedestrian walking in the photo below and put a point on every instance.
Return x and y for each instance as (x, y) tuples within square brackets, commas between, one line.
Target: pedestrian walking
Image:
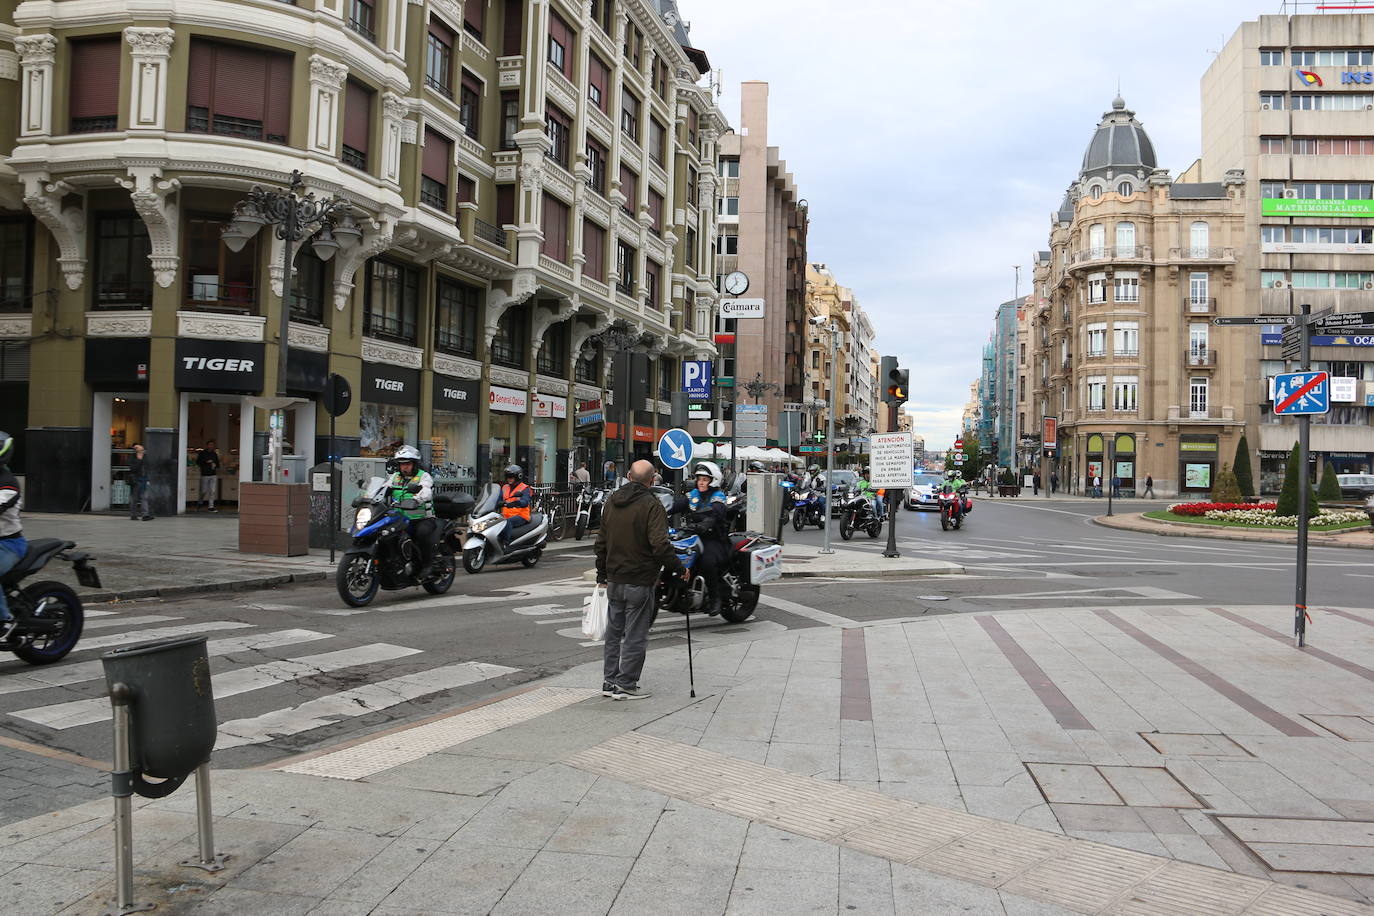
[(631, 548), (1150, 486), (1097, 485), (207, 459), (138, 494), (1054, 482), (608, 473), (1116, 487), (1036, 481), (580, 477)]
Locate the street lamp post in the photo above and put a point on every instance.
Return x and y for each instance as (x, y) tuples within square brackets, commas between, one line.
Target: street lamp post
[(295, 218), (623, 338), (834, 331), (758, 387)]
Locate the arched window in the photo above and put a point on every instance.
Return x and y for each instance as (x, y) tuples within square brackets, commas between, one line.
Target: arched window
[(1125, 240), (1095, 192), (1097, 240), (1124, 189), (1199, 239)]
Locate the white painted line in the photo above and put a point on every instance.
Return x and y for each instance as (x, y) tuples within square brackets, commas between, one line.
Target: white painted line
[(801, 610), (226, 684), (350, 704), (63, 675), (189, 629), (372, 757), (126, 622)]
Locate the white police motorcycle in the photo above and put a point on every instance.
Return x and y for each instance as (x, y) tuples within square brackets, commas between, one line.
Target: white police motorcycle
[(484, 541)]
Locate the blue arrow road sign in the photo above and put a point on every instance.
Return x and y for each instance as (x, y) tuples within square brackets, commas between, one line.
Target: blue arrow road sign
[(675, 449), (696, 378), (1301, 393)]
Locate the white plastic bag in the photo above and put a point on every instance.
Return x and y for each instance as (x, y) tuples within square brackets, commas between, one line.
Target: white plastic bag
[(596, 608)]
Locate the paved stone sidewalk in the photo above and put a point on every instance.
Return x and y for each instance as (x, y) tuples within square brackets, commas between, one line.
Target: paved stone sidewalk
[(27, 778), (1170, 760)]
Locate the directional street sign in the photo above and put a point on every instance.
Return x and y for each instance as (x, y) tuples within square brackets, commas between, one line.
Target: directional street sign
[(675, 448), (715, 428), (1254, 319), (1297, 393), (696, 378), (1292, 341), (1346, 320)]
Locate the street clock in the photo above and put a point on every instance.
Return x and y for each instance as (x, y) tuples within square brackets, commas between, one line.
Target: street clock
[(736, 283)]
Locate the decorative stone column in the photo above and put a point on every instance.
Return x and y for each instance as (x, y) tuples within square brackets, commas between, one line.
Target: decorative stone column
[(36, 57), (150, 49), (394, 131), (326, 79)]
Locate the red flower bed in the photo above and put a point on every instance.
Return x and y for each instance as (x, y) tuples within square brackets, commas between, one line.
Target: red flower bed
[(1201, 509)]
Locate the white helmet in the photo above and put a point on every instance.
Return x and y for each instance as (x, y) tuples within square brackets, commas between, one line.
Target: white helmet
[(408, 453), (708, 469)]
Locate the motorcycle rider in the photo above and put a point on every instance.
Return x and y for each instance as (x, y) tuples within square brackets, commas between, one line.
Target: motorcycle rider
[(813, 479), (961, 487), (866, 489), (706, 503), (424, 527), (516, 497), (12, 543)]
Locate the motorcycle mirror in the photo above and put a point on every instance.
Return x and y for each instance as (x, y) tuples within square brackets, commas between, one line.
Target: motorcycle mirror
[(361, 483)]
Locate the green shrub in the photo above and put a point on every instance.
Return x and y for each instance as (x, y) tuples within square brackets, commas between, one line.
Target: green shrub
[(1245, 478), (1224, 488), (1329, 491), (1293, 477)]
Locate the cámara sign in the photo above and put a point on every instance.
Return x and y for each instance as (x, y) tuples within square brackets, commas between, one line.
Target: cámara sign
[(219, 365)]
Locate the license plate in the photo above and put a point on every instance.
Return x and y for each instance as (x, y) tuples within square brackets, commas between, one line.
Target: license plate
[(765, 564)]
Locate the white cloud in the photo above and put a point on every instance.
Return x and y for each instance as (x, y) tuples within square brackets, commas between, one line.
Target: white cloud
[(932, 142)]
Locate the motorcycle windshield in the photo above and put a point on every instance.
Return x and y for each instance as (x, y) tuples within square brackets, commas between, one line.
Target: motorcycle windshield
[(488, 501), (376, 488)]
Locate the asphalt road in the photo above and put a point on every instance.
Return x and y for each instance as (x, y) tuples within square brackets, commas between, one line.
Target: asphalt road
[(294, 669)]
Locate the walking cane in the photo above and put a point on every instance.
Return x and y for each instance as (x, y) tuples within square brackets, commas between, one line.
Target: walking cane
[(691, 675)]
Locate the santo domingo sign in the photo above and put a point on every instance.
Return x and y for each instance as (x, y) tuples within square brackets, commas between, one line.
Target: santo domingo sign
[(1285, 206)]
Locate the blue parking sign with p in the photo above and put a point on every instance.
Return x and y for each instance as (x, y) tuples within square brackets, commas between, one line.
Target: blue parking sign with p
[(696, 378)]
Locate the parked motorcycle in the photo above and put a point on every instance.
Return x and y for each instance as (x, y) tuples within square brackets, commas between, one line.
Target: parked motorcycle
[(953, 506), (808, 508), (483, 544), (50, 614), (856, 514), (383, 554), (591, 503), (754, 559)]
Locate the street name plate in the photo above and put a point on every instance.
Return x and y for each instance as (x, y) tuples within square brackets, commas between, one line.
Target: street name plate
[(1253, 319), (1347, 320), (889, 462)]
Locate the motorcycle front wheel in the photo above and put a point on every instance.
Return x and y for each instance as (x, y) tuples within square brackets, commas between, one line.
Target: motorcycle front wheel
[(798, 520), (875, 529), (356, 580), (64, 608), (580, 531), (475, 559), (443, 583), (532, 559), (847, 527), (944, 520)]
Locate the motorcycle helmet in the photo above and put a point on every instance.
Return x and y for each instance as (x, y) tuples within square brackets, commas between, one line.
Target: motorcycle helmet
[(708, 469), (756, 467), (408, 453), (6, 447), (814, 469), (514, 470)]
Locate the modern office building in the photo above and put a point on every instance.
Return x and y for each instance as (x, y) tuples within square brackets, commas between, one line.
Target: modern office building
[(521, 174), (1290, 102), (763, 228)]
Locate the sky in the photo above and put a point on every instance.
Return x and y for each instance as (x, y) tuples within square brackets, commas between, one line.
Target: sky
[(932, 142)]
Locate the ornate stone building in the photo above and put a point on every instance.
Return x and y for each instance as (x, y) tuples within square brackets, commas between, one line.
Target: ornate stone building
[(522, 173)]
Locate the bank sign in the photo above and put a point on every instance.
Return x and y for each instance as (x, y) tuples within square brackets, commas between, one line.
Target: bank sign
[(1286, 206)]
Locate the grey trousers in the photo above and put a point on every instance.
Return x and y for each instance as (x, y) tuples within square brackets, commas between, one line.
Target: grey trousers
[(632, 612)]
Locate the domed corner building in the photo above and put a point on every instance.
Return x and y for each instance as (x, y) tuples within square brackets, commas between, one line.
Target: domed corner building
[(1121, 348)]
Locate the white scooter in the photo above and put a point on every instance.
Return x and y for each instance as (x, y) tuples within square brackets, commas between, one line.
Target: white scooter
[(483, 543)]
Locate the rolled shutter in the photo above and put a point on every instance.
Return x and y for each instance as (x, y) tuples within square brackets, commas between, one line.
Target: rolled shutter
[(95, 78), (597, 75), (200, 77), (474, 16), (511, 31), (277, 119), (441, 31), (438, 155), (240, 83), (505, 204), (357, 116)]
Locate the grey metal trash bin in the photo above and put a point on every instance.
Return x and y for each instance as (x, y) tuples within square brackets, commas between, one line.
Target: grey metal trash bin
[(172, 709)]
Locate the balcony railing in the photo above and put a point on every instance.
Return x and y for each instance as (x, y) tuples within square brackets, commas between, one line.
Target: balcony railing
[(488, 232), (353, 158), (123, 295), (210, 292), (94, 124), (1202, 253), (1199, 305), (1112, 253), (1127, 352), (1194, 357)]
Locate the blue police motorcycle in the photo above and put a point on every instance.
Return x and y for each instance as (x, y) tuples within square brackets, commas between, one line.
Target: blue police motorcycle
[(808, 508), (384, 555)]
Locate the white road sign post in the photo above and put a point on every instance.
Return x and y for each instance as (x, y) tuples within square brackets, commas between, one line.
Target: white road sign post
[(889, 468)]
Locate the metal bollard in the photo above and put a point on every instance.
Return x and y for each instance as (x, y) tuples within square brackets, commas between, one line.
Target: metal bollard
[(121, 789), (209, 860)]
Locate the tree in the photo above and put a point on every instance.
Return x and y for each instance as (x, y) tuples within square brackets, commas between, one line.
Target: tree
[(1330, 489), (1225, 489), (1295, 476), (1245, 478)]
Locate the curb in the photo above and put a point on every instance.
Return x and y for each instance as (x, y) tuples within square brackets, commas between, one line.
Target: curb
[(949, 569), (1169, 529), (177, 591)]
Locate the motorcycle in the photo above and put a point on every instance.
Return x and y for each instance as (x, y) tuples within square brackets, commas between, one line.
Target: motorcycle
[(50, 614), (953, 507), (856, 514), (384, 555), (483, 544), (808, 508), (590, 505), (754, 559)]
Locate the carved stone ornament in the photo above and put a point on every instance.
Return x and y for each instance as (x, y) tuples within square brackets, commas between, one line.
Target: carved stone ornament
[(152, 199), (119, 324), (512, 377), (16, 326), (393, 106), (531, 176), (551, 385), (381, 351), (457, 367), (523, 284), (36, 49), (68, 226), (207, 326), (326, 72), (308, 337), (586, 392), (149, 42), (544, 319), (376, 239)]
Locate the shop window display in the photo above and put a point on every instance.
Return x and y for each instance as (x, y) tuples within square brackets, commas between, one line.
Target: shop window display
[(454, 448), (501, 443), (383, 428), (545, 452)]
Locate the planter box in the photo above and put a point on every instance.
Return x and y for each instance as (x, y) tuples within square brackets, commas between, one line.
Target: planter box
[(1008, 490), (274, 518)]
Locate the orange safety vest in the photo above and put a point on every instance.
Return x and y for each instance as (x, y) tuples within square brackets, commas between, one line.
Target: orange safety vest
[(507, 492)]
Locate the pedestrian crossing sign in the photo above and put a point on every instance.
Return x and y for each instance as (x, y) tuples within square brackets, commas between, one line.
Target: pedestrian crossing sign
[(1298, 393)]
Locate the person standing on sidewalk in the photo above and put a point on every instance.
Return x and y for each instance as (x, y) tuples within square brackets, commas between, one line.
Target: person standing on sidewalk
[(207, 459), (12, 543), (631, 547), (1150, 486), (138, 473)]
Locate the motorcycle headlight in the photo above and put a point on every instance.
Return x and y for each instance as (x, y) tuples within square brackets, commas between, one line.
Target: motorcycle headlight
[(362, 518), (479, 527)]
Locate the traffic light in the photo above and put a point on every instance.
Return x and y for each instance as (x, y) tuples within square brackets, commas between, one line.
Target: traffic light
[(894, 380)]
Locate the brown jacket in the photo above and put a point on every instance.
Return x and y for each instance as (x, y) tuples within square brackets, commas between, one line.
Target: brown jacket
[(632, 544)]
